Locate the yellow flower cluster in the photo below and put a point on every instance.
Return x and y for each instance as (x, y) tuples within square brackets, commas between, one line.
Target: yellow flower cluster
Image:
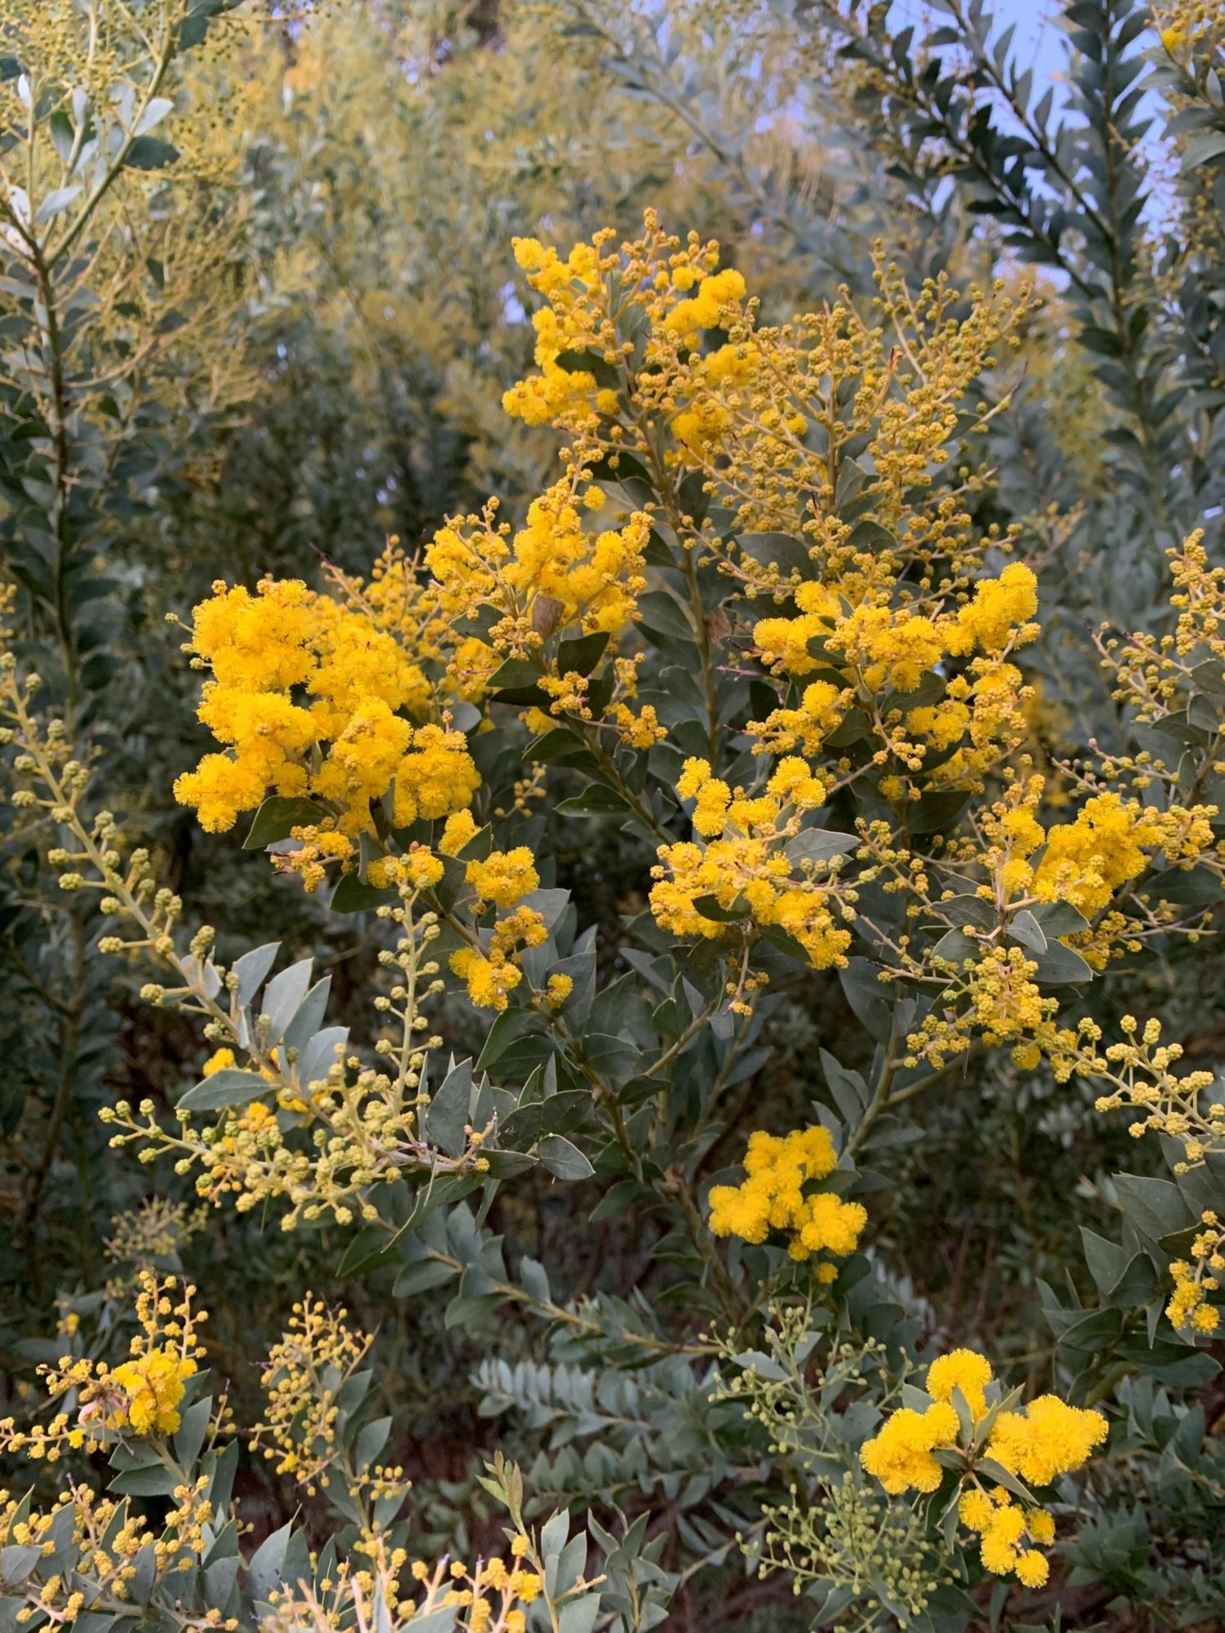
[(886, 393), (1155, 673), (1110, 843), (878, 648), (717, 294), (554, 574), (155, 1229), (306, 1433), (963, 1369), (1003, 1528), (319, 1145), (489, 971), (997, 618), (303, 1376), (1195, 1278), (1093, 865), (107, 1537), (676, 288), (108, 1542), (1188, 23), (492, 1596), (503, 877), (141, 1396), (993, 998), (779, 1193), (413, 871), (902, 1454), (1143, 1076), (153, 1385), (493, 1593), (1047, 1439), (306, 696), (572, 321), (884, 612), (914, 1449), (164, 1356), (742, 863)]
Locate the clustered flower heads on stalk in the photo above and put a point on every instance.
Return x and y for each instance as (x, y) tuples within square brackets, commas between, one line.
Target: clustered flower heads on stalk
[(92, 1554), (492, 1596), (892, 645), (140, 1397), (963, 1436), (1196, 1278), (780, 1194), (280, 1114)]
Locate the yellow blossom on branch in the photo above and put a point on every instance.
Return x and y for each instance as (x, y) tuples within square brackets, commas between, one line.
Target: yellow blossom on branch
[(916, 1450), (780, 1194)]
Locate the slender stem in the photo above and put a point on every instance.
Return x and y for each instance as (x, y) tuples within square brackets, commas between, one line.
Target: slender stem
[(107, 181), (547, 1310), (1106, 1388), (880, 1095), (59, 410)]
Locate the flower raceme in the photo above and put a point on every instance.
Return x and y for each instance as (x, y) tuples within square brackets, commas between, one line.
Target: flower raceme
[(965, 1430), (340, 702), (307, 1367), (676, 288), (492, 1596), (878, 649), (554, 573), (743, 860), (311, 699), (1196, 1278), (142, 1396), (891, 638), (780, 1194)]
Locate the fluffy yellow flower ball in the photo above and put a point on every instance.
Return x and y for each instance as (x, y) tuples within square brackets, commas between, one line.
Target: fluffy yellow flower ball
[(154, 1384), (962, 1369), (901, 1457)]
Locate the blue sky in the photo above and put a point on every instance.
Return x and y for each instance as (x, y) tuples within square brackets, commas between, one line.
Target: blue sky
[(1038, 42)]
